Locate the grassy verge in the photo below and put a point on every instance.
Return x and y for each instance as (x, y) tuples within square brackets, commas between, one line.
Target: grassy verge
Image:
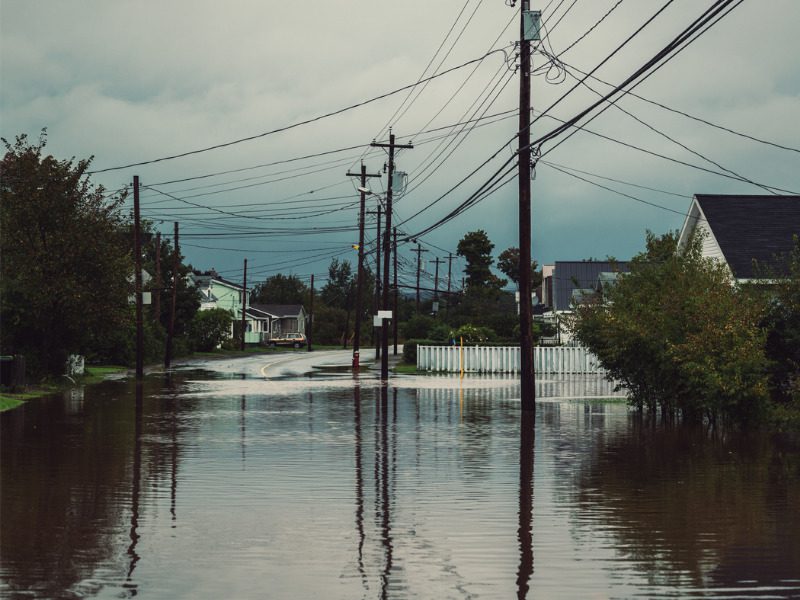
[(93, 374), (405, 368)]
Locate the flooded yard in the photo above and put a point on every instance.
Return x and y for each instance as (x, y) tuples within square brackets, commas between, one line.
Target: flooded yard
[(215, 481)]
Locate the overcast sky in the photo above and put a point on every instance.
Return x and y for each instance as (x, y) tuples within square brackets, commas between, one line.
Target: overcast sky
[(129, 82)]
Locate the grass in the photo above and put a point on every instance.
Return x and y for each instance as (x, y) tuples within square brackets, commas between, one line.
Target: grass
[(405, 368), (92, 374)]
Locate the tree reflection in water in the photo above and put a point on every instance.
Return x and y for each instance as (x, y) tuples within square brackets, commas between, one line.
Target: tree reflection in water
[(687, 504)]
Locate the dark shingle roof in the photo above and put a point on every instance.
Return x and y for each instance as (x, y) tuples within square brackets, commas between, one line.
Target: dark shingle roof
[(571, 275), (279, 310), (751, 227)]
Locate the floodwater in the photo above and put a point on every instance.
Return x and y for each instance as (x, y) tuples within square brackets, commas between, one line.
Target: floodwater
[(216, 482)]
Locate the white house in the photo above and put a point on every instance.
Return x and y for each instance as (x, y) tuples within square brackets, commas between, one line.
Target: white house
[(738, 230)]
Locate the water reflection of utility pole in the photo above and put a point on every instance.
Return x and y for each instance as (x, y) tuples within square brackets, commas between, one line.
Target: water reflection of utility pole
[(135, 487), (386, 538), (359, 484), (525, 531), (173, 490), (242, 426)]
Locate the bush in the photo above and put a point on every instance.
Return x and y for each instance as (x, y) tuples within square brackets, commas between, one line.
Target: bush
[(418, 327), (473, 334), (410, 349), (210, 328), (679, 336)]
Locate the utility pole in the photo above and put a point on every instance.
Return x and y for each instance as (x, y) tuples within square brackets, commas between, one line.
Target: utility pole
[(157, 295), (436, 262), (387, 249), (360, 272), (171, 329), (377, 298), (394, 321), (528, 31), (310, 315), (449, 273), (419, 250), (137, 251), (244, 303)]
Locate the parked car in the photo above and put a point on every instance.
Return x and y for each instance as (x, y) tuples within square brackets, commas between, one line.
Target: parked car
[(296, 340)]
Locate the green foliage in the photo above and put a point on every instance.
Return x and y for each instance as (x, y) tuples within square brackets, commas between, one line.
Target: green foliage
[(418, 326), (339, 291), (440, 331), (508, 263), (473, 334), (410, 349), (66, 258), (476, 249), (679, 335), (210, 328), (279, 289), (187, 301), (329, 324), (782, 323)]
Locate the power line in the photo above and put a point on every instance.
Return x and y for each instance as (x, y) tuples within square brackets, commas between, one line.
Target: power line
[(295, 125)]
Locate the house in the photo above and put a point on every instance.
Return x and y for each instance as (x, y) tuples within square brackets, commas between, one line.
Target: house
[(566, 283), (738, 230), (217, 292), (283, 318)]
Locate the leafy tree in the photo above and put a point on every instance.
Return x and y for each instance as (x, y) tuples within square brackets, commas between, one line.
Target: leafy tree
[(339, 291), (279, 289), (188, 297), (66, 258), (508, 263), (679, 335), (210, 328), (418, 327), (476, 249)]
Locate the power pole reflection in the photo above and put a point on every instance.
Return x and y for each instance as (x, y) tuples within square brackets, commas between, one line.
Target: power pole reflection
[(359, 484), (525, 533), (135, 489)]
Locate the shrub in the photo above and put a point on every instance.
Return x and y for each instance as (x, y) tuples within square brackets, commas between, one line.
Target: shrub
[(210, 328)]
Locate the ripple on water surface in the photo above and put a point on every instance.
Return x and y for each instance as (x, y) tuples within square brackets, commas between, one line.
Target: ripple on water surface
[(226, 487)]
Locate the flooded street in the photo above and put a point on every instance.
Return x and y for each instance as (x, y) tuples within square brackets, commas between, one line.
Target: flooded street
[(251, 478)]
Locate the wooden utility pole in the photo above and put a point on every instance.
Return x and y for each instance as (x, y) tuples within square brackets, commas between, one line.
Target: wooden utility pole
[(419, 250), (394, 321), (244, 303), (137, 261), (157, 295), (310, 315), (360, 272), (377, 299), (171, 329), (449, 273), (387, 250), (527, 375), (436, 262)]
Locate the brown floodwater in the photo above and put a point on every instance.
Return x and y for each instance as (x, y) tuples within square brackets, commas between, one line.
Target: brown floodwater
[(215, 482)]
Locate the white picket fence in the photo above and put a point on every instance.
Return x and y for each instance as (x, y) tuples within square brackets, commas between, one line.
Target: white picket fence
[(559, 360)]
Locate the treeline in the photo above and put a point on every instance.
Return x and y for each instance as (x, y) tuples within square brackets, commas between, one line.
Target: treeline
[(687, 341), (66, 275)]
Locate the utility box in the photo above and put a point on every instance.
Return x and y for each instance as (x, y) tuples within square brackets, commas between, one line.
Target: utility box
[(399, 181), (532, 20)]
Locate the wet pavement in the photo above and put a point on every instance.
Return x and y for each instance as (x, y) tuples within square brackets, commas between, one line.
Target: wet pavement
[(262, 477)]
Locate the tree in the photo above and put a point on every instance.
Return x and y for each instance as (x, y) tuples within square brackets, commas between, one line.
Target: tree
[(210, 328), (66, 258), (679, 335), (476, 249), (508, 263), (279, 289), (338, 292)]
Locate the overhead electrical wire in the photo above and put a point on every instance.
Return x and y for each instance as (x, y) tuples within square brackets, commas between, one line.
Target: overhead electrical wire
[(298, 124)]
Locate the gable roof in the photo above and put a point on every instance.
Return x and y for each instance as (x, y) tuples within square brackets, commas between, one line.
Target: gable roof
[(571, 275), (279, 310), (205, 279), (751, 228)]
